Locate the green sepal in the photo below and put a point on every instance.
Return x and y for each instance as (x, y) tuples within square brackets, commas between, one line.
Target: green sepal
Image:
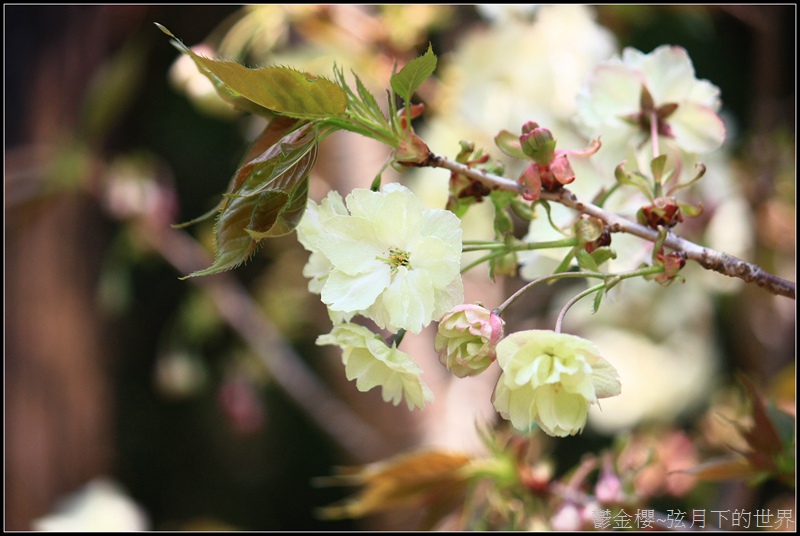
[(657, 168), (701, 170), (503, 225), (522, 209), (602, 255), (635, 179), (690, 210), (553, 225), (509, 143), (598, 297), (567, 260), (586, 261)]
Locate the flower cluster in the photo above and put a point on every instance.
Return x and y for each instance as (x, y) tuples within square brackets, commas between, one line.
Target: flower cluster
[(383, 256), (550, 169), (548, 378)]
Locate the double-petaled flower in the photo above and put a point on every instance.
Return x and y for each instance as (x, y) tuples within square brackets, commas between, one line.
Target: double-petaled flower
[(368, 360), (384, 256), (630, 100), (550, 379)]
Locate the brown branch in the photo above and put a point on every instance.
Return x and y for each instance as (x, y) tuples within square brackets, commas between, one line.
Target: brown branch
[(706, 257)]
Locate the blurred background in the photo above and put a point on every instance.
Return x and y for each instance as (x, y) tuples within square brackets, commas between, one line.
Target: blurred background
[(205, 404)]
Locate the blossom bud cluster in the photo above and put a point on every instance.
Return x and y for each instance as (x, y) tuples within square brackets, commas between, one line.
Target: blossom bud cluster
[(548, 379), (382, 256)]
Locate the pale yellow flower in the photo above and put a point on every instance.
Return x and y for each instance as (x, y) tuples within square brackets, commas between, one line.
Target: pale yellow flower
[(551, 379), (388, 258), (368, 360)]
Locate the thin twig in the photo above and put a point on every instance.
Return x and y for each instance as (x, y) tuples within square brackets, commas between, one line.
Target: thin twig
[(707, 258)]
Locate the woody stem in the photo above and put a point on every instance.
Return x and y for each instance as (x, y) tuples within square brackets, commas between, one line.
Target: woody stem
[(707, 258)]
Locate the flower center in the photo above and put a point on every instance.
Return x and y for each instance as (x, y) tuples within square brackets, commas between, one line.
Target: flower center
[(397, 258)]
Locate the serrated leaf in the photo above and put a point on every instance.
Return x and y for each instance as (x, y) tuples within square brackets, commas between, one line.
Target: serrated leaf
[(282, 90), (370, 104), (267, 195), (413, 74)]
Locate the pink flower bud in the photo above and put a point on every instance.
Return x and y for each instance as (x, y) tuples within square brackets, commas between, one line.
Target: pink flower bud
[(467, 337)]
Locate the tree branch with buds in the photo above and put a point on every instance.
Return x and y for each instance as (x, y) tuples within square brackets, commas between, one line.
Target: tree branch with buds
[(707, 258)]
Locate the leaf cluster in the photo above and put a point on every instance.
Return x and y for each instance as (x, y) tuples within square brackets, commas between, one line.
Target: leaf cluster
[(268, 193)]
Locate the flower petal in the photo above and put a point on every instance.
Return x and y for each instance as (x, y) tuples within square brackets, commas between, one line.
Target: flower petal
[(697, 128), (343, 292), (669, 73), (351, 244), (371, 363), (408, 300)]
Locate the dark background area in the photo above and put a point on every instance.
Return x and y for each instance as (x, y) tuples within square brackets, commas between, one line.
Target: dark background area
[(80, 397)]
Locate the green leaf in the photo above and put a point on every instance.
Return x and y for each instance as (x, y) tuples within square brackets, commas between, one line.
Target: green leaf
[(282, 90), (267, 195), (415, 72), (598, 297), (370, 105)]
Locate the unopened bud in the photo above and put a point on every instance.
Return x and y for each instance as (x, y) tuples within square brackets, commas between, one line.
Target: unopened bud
[(539, 145), (467, 337)]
